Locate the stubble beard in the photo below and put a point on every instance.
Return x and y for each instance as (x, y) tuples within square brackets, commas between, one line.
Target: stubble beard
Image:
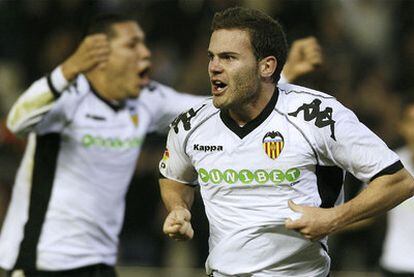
[(241, 95)]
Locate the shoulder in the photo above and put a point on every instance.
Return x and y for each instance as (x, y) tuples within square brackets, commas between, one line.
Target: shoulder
[(157, 90), (193, 118), (295, 99), (317, 110), (293, 96)]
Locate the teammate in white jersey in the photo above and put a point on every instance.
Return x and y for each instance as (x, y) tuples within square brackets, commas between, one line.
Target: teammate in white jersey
[(397, 258), (270, 160), (87, 128)]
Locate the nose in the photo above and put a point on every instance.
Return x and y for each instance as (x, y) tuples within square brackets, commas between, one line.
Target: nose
[(144, 52), (214, 66)]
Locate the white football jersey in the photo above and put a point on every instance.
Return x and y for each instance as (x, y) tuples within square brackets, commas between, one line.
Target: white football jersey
[(68, 200), (298, 149), (398, 246)]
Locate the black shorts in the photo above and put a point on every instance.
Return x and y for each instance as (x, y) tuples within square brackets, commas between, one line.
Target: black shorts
[(98, 270)]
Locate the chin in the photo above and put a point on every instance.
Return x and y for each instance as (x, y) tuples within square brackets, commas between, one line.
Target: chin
[(219, 104), (134, 94)]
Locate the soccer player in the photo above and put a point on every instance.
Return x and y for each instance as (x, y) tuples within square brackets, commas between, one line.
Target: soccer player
[(270, 160), (86, 129)]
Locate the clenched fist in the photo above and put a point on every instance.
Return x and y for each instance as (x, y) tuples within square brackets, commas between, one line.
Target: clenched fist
[(177, 225), (304, 56)]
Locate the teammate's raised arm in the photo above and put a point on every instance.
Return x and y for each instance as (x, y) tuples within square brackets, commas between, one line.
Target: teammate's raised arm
[(305, 55), (92, 52), (41, 96)]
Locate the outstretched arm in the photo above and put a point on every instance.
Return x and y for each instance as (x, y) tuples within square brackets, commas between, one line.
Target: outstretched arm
[(304, 56), (178, 199), (382, 194)]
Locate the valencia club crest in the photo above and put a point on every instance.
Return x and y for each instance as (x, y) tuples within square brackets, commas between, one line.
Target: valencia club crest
[(273, 143)]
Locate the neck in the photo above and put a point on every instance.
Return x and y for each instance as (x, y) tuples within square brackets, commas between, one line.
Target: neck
[(102, 86), (249, 111)]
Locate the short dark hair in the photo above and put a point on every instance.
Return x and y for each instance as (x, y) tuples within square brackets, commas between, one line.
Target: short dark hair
[(103, 23), (266, 34)]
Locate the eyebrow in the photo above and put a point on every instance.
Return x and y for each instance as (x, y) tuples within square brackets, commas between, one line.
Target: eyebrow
[(135, 39), (223, 53)]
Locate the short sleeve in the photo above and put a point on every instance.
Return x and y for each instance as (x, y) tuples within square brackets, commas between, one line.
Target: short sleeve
[(342, 140), (165, 104), (175, 163)]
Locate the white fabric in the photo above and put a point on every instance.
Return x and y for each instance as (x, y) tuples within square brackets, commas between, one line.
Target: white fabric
[(245, 191), (98, 150), (398, 246)]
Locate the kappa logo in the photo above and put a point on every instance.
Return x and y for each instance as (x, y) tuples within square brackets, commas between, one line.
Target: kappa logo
[(185, 119), (208, 148), (322, 118)]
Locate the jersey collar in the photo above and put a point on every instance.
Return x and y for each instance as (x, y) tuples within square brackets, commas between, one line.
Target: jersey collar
[(241, 132), (114, 105)]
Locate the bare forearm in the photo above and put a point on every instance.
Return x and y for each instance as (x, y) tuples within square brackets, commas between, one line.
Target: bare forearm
[(382, 194), (176, 195)]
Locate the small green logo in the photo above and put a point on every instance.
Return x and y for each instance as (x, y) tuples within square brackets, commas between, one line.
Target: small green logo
[(203, 174), (230, 176), (261, 176), (111, 143), (292, 174), (216, 176), (245, 176), (277, 176)]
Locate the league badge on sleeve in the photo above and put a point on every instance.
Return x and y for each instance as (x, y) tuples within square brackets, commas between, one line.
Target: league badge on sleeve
[(165, 158), (273, 143)]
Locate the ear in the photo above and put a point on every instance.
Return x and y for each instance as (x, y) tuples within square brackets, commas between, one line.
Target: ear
[(267, 66)]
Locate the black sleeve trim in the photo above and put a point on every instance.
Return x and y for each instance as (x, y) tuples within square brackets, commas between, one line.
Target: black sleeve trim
[(51, 86), (389, 170), (160, 176)]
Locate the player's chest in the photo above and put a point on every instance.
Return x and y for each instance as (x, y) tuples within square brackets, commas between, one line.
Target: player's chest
[(100, 129), (276, 150)]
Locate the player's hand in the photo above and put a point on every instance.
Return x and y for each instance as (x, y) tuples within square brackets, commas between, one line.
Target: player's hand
[(304, 56), (93, 51), (177, 225), (315, 222)]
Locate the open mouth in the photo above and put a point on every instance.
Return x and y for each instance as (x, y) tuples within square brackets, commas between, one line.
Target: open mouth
[(145, 76), (218, 86)]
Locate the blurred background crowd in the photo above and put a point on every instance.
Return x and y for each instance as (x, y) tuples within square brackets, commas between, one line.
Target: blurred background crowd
[(368, 50)]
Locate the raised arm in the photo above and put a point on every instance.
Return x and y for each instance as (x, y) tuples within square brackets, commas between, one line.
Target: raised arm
[(41, 96), (304, 56), (178, 199)]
